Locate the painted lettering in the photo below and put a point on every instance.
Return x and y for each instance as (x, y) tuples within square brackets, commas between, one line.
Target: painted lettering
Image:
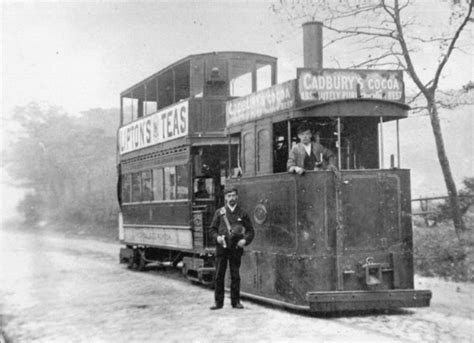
[(156, 128)]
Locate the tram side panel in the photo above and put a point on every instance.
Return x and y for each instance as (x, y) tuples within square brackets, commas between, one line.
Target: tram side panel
[(294, 224), (158, 224), (296, 256), (377, 232)]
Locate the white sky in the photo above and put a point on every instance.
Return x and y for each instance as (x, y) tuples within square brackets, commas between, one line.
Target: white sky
[(81, 55)]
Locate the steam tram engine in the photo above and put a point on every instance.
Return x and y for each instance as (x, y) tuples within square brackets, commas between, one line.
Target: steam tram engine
[(325, 241)]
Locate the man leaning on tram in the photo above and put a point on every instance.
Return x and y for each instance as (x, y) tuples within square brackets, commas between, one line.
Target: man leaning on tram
[(309, 155)]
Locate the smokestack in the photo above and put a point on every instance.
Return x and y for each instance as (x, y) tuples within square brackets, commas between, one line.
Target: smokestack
[(313, 44)]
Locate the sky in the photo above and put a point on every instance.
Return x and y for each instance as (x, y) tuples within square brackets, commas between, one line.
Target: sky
[(81, 54)]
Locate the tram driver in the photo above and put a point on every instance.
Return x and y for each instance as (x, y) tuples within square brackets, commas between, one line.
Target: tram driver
[(309, 155), (202, 192)]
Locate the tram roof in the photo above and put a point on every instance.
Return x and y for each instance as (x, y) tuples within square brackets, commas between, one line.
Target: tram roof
[(225, 54)]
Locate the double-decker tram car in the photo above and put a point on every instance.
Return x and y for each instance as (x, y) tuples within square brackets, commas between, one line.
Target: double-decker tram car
[(325, 240)]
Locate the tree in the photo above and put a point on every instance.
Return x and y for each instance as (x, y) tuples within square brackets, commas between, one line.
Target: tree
[(390, 34), (67, 163), (466, 201)]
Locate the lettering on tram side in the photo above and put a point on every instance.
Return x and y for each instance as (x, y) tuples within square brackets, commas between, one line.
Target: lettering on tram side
[(335, 84), (162, 126), (159, 236), (267, 101)]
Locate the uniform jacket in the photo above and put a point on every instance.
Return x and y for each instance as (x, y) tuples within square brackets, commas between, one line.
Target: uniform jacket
[(241, 228), (298, 153)]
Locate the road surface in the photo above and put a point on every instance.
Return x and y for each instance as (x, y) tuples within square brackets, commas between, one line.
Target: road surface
[(55, 289)]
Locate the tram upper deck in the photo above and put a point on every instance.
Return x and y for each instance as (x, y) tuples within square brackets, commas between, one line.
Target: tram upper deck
[(184, 103)]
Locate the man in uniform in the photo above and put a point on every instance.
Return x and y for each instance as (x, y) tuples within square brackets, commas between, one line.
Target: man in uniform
[(308, 155), (231, 229)]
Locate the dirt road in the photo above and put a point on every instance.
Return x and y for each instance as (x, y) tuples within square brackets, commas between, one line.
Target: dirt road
[(58, 290)]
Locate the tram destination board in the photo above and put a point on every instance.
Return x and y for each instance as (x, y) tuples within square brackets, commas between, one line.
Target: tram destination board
[(318, 85)]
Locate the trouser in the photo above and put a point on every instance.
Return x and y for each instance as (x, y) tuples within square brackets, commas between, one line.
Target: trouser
[(234, 259)]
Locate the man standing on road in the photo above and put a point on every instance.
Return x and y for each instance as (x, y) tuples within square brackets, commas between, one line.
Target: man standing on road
[(231, 229)]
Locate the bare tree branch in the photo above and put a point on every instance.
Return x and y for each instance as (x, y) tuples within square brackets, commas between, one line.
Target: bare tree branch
[(451, 46), (409, 63)]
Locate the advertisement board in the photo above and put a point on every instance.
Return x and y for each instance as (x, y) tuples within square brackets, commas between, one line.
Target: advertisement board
[(167, 124), (255, 106), (335, 84)]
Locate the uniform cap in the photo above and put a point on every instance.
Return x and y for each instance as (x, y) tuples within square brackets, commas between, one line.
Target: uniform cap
[(230, 190)]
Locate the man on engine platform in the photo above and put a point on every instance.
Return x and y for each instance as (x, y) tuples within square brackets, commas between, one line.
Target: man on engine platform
[(231, 229), (309, 155)]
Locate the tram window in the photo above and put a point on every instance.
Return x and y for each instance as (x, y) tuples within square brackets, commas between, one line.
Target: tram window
[(240, 78), (128, 105), (197, 78), (135, 103), (126, 188), (150, 107), (181, 81), (203, 188), (280, 146), (264, 76), (249, 153), (147, 190), (241, 85), (150, 102), (136, 187), (170, 183), (158, 184), (165, 89), (182, 182), (264, 152)]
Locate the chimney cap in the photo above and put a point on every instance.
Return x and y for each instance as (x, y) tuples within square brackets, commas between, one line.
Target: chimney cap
[(313, 23)]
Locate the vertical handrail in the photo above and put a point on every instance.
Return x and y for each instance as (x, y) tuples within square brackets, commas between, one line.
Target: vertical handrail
[(339, 150), (381, 144), (398, 145), (339, 248)]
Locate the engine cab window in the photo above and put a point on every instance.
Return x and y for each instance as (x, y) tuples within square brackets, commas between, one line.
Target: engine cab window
[(280, 147), (359, 140)]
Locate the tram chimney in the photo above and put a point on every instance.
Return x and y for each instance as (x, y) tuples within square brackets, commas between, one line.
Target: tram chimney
[(313, 44)]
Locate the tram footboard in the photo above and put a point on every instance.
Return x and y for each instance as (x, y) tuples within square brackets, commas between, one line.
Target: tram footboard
[(365, 300)]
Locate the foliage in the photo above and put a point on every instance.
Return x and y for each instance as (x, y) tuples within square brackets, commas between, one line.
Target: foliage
[(466, 200), (30, 207), (68, 163), (437, 252)]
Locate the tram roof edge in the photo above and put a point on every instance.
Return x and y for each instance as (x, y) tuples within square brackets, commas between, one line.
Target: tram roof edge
[(189, 57), (281, 102)]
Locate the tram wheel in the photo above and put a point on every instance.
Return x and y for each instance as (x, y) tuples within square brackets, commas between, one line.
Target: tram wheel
[(133, 261), (130, 263), (141, 264)]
